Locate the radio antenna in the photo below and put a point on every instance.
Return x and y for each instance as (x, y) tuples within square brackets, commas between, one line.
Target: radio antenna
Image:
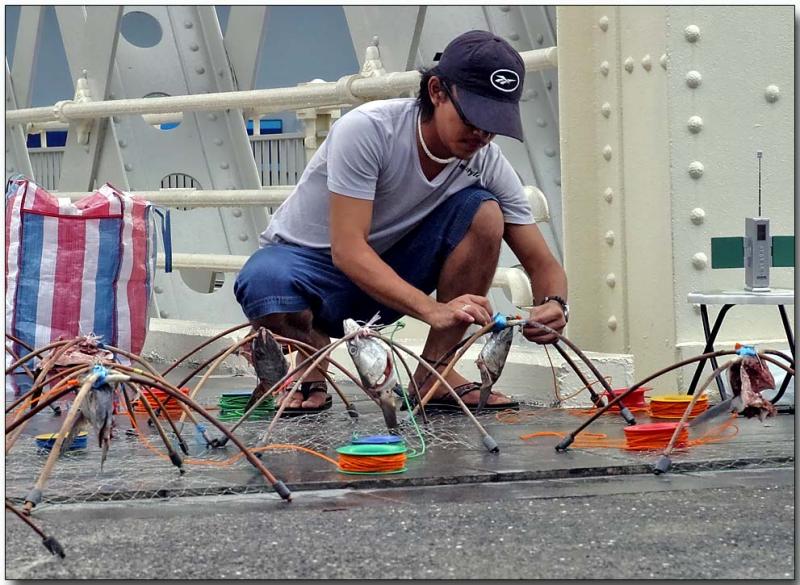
[(758, 156)]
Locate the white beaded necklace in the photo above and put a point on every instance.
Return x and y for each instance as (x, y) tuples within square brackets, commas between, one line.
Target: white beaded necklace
[(433, 157)]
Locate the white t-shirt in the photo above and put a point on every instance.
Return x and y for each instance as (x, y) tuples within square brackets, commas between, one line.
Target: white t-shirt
[(371, 153)]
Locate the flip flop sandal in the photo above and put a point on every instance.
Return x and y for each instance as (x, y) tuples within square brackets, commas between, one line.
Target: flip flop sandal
[(307, 389), (448, 404)]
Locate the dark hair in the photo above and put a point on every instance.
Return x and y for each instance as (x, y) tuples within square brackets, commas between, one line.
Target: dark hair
[(424, 98)]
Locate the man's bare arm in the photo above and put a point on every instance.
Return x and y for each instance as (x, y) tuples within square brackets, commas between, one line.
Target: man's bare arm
[(547, 278)]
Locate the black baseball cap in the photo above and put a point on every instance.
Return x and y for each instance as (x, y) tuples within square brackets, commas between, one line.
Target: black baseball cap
[(489, 74)]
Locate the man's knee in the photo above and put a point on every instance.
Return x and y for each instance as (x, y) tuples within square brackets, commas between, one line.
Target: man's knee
[(488, 223), (287, 324)]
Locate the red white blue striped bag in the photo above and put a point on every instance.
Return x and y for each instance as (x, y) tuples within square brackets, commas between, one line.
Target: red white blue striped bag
[(74, 268)]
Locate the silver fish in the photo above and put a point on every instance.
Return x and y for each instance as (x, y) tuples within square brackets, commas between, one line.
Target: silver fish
[(97, 410), (491, 360), (269, 362), (376, 370)]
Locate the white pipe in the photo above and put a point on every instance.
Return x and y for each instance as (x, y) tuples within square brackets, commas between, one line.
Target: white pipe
[(513, 280), (350, 89), (266, 196)]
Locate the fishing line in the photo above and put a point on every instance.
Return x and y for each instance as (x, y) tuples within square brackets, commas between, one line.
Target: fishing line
[(646, 437), (372, 458), (172, 408), (674, 405), (232, 406)]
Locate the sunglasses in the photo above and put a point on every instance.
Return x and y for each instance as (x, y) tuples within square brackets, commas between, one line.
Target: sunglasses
[(460, 112)]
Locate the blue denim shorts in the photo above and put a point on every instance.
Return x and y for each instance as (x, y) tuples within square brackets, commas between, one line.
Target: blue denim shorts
[(286, 278)]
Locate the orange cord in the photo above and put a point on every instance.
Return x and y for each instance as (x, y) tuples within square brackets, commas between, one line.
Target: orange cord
[(372, 463)]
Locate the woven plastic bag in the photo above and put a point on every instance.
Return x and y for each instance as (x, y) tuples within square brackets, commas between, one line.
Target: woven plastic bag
[(75, 268)]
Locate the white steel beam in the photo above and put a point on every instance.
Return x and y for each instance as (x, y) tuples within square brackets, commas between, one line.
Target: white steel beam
[(17, 158), (243, 38), (25, 52)]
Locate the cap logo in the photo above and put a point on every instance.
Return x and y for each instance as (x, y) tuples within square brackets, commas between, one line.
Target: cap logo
[(505, 80)]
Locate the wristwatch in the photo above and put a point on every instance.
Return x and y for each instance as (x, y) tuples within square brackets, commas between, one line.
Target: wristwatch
[(560, 301)]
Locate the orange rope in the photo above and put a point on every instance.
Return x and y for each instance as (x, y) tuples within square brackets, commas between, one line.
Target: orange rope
[(372, 463)]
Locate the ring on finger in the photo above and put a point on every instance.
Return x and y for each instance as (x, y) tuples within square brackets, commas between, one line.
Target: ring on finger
[(465, 307)]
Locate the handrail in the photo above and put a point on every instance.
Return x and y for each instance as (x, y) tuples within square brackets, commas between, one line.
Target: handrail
[(265, 197), (348, 90)]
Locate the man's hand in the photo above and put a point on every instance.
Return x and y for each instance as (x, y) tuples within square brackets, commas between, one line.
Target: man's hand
[(550, 314), (462, 309)]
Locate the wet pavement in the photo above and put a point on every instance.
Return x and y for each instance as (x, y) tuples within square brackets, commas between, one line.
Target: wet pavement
[(455, 496)]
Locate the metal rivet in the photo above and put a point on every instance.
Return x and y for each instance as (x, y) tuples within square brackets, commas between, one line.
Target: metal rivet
[(605, 109), (194, 47), (540, 122), (696, 169), (772, 93), (647, 63), (612, 323), (695, 124), (513, 36), (218, 141), (200, 70), (224, 166), (603, 23), (549, 85), (557, 181), (692, 33), (611, 280), (607, 152), (122, 144), (663, 61), (505, 8), (694, 79), (629, 64), (237, 212), (697, 215), (610, 237), (128, 167), (115, 119), (188, 24), (86, 149), (608, 194), (158, 290), (540, 38), (604, 67), (212, 116), (526, 95), (244, 237), (163, 314), (549, 151), (699, 261)]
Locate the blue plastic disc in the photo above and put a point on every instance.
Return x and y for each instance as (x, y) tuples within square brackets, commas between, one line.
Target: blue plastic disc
[(377, 440), (47, 440), (238, 393)]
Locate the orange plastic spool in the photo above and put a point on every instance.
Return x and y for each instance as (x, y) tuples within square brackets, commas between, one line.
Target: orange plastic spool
[(172, 407), (672, 406), (654, 436), (633, 400)]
